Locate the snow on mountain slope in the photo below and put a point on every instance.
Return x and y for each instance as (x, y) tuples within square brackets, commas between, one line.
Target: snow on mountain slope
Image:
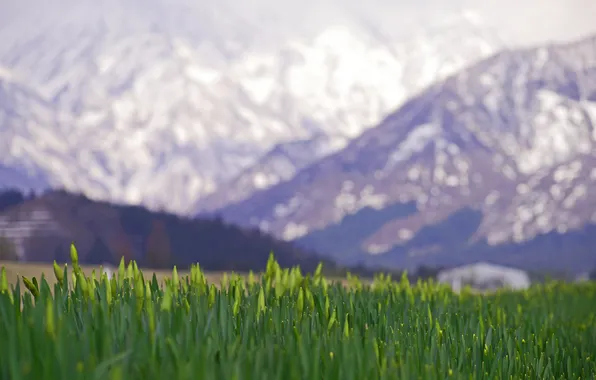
[(512, 136), (162, 103), (337, 101), (23, 112)]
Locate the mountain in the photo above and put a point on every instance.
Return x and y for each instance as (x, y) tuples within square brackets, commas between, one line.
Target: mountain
[(161, 103), (41, 229), (23, 115), (497, 157), (367, 80)]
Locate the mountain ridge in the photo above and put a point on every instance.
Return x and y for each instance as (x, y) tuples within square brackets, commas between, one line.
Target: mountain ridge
[(512, 136), (40, 229), (196, 104)]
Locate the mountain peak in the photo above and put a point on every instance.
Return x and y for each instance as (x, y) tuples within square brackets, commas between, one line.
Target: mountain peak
[(504, 149), (151, 121)]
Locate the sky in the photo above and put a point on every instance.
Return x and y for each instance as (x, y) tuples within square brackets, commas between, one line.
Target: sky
[(524, 22), (520, 22), (531, 22)]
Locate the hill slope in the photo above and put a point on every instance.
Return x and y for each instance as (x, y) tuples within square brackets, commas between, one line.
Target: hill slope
[(510, 142), (41, 230)]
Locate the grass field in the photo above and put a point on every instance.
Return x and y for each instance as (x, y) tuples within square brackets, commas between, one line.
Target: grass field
[(288, 326)]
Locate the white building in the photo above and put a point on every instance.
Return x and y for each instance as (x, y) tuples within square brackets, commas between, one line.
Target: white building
[(583, 277), (485, 276)]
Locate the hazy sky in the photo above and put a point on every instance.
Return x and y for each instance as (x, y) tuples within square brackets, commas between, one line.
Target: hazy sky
[(523, 21), (536, 21)]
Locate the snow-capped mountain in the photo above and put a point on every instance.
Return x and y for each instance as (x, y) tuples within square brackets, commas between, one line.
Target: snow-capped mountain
[(337, 102), (29, 118), (161, 103), (512, 138)]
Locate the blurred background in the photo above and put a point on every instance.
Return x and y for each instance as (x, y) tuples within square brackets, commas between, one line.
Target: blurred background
[(374, 136)]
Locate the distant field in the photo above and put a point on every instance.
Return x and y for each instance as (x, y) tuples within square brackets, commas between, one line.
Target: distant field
[(16, 269)]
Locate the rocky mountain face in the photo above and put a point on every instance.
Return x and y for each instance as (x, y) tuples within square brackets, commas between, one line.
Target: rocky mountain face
[(162, 103), (499, 156), (366, 81), (23, 116)]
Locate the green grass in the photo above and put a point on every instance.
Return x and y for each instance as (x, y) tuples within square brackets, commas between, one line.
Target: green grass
[(287, 326)]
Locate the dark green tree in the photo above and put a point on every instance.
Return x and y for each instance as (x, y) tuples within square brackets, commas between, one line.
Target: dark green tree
[(10, 198), (158, 253), (8, 250), (123, 248), (100, 253)]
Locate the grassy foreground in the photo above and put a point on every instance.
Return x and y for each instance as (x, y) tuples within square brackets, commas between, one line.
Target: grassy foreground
[(287, 326)]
